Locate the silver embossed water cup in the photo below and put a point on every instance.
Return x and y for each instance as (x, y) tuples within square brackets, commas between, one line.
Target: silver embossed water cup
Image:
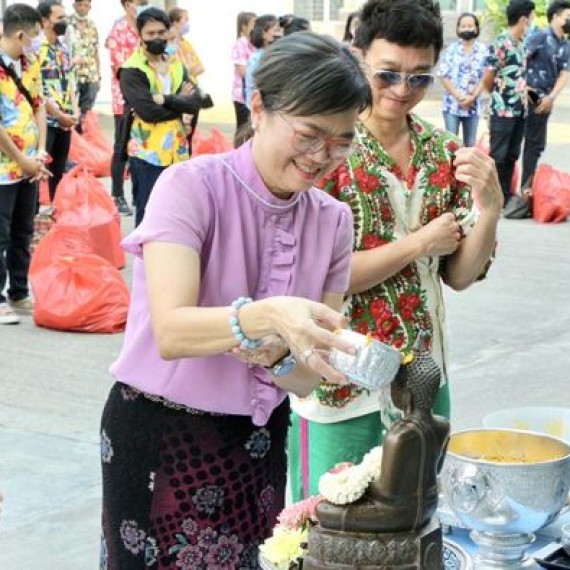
[(373, 366)]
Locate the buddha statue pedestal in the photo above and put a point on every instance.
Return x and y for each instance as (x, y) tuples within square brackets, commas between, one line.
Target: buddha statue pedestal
[(409, 550)]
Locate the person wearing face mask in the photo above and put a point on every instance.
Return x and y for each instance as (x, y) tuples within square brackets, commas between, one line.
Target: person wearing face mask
[(266, 30), (84, 42), (22, 154), (157, 93), (505, 79), (58, 81), (121, 42), (461, 73), (548, 53)]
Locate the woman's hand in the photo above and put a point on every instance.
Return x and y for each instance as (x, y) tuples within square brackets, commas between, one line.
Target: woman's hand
[(271, 350), (478, 171), (308, 329)]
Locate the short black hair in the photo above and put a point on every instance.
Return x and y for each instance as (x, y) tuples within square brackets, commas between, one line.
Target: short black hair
[(555, 8), (469, 15), (517, 9), (262, 24), (406, 23), (20, 17), (294, 24), (347, 36), (152, 15), (46, 6)]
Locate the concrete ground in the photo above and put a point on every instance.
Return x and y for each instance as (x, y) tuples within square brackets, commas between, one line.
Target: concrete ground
[(509, 342)]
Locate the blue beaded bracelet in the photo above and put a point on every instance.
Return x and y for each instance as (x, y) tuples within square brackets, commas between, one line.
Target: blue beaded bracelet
[(244, 341)]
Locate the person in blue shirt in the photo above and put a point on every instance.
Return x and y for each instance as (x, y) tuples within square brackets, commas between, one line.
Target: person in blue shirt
[(265, 31), (548, 52)]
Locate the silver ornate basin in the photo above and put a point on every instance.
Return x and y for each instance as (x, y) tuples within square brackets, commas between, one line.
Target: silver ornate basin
[(505, 485)]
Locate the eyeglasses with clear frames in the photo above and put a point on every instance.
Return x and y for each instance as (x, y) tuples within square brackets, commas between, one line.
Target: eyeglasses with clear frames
[(307, 142), (413, 80)]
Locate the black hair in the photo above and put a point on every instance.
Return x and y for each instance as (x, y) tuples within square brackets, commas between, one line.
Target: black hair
[(311, 74), (348, 37), (517, 9), (469, 15), (294, 24), (243, 18), (20, 17), (46, 6), (555, 8), (152, 15), (262, 24), (407, 23)]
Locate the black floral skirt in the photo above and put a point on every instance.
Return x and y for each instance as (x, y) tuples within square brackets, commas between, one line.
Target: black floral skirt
[(184, 489)]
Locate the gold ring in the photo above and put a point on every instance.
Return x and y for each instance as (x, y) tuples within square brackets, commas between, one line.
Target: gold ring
[(306, 354)]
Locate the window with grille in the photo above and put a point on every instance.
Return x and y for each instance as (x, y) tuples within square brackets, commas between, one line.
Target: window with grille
[(319, 10)]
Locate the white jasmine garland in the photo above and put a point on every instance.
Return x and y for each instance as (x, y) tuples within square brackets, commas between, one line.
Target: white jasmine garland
[(350, 484)]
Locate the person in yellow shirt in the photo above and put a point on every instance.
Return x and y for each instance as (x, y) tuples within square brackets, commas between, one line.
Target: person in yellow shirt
[(157, 93), (22, 154)]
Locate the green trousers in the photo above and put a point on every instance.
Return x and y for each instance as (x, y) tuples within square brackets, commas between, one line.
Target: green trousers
[(330, 444)]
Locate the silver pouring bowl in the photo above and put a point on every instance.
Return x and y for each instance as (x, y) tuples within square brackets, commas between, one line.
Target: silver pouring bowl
[(505, 485)]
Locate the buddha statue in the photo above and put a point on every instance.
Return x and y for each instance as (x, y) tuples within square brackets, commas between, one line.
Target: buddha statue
[(402, 500)]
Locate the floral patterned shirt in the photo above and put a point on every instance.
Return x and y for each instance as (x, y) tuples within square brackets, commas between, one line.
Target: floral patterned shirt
[(17, 115), (507, 59), (241, 52), (465, 71), (58, 78), (84, 40), (121, 42), (387, 206)]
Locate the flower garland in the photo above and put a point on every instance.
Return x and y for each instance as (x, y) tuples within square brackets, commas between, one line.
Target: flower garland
[(349, 484)]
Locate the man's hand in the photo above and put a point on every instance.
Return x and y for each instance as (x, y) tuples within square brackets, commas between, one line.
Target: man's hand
[(158, 99), (477, 170), (35, 168), (67, 121), (545, 105), (441, 236)]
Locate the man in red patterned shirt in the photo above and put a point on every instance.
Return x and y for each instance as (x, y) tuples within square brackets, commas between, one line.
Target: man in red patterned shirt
[(121, 42)]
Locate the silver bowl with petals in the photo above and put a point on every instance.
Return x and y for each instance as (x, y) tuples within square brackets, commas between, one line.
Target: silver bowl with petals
[(505, 485)]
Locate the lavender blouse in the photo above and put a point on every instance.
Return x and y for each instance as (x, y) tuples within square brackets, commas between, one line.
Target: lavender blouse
[(250, 243)]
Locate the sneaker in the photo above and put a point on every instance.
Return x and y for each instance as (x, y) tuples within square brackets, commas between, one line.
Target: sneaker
[(123, 207), (7, 315), (23, 306)]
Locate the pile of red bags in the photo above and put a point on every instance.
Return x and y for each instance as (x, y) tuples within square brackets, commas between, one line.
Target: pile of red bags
[(74, 271), (550, 194)]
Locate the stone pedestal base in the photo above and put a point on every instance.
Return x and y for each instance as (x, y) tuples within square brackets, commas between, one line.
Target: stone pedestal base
[(387, 551)]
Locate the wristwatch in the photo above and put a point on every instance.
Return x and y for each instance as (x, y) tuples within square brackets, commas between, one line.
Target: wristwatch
[(284, 365)]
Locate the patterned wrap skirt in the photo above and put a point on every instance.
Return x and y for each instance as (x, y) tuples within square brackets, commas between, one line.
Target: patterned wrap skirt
[(185, 489)]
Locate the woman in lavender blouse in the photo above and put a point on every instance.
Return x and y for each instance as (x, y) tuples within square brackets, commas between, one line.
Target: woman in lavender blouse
[(193, 432)]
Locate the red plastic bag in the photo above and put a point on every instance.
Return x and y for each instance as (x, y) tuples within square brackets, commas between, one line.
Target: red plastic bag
[(213, 144), (82, 293), (91, 150), (551, 194), (82, 202), (60, 241)]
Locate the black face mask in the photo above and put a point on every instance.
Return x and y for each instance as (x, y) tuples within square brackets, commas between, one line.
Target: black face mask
[(156, 47), (59, 28), (468, 35), (566, 27)]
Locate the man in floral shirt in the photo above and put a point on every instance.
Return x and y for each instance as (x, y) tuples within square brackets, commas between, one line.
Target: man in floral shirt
[(411, 190), (121, 42), (84, 40), (22, 154), (505, 79)]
